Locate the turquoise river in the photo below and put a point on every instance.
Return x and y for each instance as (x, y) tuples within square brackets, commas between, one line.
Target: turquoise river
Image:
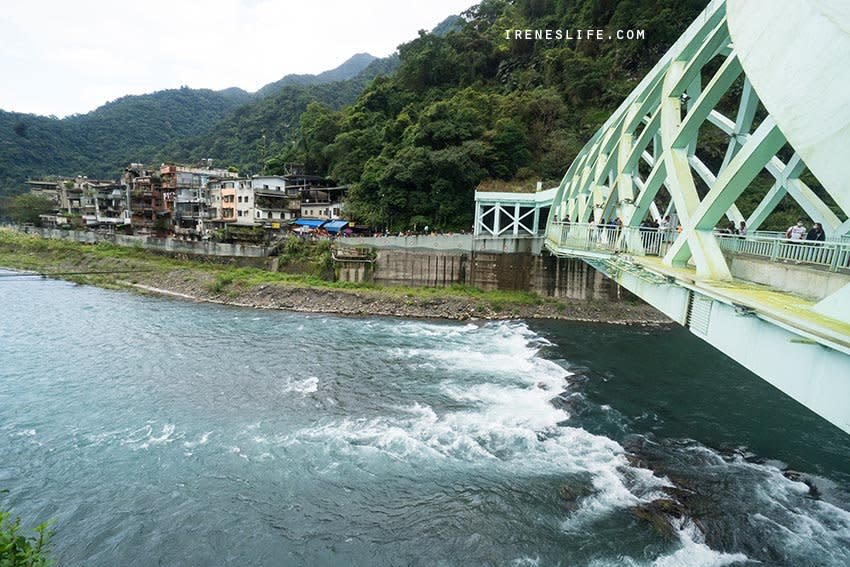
[(161, 432)]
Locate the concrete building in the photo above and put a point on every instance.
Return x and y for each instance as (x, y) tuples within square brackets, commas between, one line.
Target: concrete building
[(244, 203), (275, 200), (191, 198), (323, 202), (222, 195), (104, 203), (151, 207), (50, 189)]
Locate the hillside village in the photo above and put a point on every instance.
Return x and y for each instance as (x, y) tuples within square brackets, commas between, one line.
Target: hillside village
[(197, 202)]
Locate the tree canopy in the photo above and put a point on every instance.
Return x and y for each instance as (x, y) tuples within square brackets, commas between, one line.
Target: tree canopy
[(468, 104)]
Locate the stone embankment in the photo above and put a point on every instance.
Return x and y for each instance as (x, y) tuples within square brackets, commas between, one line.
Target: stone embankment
[(386, 301)]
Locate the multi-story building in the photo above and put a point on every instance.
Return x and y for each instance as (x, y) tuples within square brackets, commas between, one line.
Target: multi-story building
[(222, 195), (274, 200), (50, 189), (71, 198), (244, 203), (323, 203), (102, 202), (151, 207), (93, 202), (189, 185), (271, 200)]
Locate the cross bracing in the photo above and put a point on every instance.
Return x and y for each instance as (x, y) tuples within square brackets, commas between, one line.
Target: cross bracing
[(772, 80), (659, 124)]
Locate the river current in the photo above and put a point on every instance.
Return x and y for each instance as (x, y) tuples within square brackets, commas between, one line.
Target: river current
[(161, 432)]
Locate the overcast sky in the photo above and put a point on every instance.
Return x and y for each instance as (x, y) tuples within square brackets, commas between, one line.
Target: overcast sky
[(70, 56)]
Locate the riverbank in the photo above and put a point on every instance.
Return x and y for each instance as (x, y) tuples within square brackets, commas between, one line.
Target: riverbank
[(205, 280)]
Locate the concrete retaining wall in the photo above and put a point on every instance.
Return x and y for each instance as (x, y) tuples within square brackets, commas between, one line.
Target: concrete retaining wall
[(449, 242), (170, 245), (545, 275), (436, 261)]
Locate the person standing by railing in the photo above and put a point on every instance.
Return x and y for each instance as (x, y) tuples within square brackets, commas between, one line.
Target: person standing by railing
[(796, 233), (742, 229), (816, 233)]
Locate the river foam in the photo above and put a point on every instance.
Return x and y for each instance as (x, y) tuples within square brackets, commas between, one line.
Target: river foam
[(500, 414)]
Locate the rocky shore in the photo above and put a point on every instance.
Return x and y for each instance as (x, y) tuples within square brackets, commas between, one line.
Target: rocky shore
[(386, 302), (203, 279)]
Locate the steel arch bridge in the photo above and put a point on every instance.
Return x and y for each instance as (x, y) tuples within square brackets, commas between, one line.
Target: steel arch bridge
[(784, 69)]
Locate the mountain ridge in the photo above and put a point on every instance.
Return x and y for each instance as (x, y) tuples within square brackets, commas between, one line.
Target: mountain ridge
[(97, 143)]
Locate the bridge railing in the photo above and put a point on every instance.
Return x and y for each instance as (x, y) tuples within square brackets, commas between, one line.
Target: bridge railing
[(845, 238), (833, 255), (639, 241), (645, 241)]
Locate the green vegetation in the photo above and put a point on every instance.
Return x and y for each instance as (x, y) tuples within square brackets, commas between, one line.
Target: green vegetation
[(102, 142), (22, 251), (264, 128), (18, 550), (471, 105), (350, 68), (221, 283), (25, 208)]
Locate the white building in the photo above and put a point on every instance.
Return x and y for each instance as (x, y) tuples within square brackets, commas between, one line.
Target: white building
[(273, 201), (323, 203), (244, 202)]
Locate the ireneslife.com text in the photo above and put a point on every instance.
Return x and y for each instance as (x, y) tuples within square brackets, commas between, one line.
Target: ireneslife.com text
[(578, 34)]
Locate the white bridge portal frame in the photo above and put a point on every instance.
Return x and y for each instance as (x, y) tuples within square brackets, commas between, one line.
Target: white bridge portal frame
[(738, 52)]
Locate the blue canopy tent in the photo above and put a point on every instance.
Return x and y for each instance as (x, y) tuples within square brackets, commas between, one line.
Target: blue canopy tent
[(309, 223), (335, 226)]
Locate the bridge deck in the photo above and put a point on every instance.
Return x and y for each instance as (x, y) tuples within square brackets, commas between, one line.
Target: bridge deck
[(783, 307)]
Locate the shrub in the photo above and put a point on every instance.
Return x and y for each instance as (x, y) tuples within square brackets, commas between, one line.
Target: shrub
[(17, 550), (222, 281)]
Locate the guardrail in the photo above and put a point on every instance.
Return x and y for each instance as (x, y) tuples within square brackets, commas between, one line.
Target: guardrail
[(637, 240), (844, 238), (833, 255), (645, 241)]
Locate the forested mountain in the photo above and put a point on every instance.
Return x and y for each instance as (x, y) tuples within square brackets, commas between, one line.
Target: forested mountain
[(264, 128), (101, 142), (137, 128), (350, 68), (471, 104)]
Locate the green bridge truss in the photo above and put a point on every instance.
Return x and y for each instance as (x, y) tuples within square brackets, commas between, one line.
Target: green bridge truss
[(783, 69)]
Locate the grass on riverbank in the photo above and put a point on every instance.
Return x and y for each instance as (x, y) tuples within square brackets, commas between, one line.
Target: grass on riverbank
[(27, 252)]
